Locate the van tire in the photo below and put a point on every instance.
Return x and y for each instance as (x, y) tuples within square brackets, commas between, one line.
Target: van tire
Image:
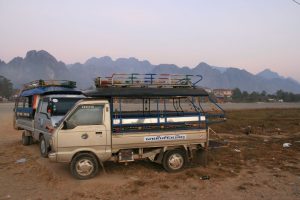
[(84, 166), (26, 140), (43, 147), (174, 160)]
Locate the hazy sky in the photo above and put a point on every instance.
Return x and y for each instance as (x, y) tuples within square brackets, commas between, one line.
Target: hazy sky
[(249, 34)]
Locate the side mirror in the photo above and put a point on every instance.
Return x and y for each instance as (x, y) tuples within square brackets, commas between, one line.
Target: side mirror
[(65, 126), (69, 125)]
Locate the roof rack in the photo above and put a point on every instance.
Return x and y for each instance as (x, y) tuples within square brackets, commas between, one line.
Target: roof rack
[(49, 83), (148, 80)]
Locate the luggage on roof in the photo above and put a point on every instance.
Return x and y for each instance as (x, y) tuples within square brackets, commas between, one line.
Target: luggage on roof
[(49, 87), (49, 83)]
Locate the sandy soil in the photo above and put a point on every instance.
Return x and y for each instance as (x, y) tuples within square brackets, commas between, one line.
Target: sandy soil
[(254, 166)]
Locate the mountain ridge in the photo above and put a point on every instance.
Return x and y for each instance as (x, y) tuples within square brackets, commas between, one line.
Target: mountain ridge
[(43, 65), (269, 74)]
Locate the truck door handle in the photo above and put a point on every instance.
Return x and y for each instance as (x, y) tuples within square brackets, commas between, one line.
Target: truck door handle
[(98, 133), (84, 136)]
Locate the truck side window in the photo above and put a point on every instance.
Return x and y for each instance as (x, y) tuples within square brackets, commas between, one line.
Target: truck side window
[(86, 115)]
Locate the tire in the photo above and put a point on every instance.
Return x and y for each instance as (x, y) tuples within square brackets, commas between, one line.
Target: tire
[(26, 140), (84, 166), (43, 147), (174, 160)]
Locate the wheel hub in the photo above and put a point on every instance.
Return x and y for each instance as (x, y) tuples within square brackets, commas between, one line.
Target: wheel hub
[(43, 148), (176, 161), (84, 167)]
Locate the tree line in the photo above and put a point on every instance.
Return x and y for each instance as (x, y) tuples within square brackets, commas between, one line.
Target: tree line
[(280, 95), (6, 90), (6, 87)]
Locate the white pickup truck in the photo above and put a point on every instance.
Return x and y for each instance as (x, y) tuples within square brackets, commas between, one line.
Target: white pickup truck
[(125, 124)]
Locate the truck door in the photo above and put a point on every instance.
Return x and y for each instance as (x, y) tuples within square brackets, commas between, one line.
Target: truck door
[(40, 118), (83, 129)]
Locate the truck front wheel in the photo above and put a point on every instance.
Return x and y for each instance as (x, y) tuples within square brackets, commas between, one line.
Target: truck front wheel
[(174, 160), (43, 147), (84, 166)]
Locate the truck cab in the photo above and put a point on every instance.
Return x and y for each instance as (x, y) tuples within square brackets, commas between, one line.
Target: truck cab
[(124, 124), (40, 106), (86, 128)]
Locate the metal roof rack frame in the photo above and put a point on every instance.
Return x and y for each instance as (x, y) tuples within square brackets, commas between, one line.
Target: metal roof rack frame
[(148, 80), (49, 83)]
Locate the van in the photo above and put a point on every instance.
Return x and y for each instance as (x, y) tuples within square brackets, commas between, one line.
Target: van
[(39, 106)]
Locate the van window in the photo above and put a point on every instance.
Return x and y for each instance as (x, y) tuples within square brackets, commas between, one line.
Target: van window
[(87, 115), (20, 102), (24, 107), (24, 102)]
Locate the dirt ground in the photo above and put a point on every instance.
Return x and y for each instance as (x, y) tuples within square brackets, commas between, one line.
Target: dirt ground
[(253, 166)]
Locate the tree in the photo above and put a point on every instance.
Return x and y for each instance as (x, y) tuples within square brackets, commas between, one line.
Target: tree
[(236, 94), (6, 87), (245, 96), (280, 94), (254, 96), (263, 93)]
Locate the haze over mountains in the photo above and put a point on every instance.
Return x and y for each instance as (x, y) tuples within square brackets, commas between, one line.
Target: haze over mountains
[(42, 65)]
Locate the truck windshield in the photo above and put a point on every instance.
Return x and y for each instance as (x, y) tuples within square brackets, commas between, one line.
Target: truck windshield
[(60, 106)]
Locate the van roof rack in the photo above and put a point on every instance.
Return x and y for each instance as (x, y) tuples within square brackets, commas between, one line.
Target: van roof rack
[(49, 83), (148, 80)]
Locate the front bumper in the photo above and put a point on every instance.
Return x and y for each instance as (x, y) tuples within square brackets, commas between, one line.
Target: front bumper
[(52, 156)]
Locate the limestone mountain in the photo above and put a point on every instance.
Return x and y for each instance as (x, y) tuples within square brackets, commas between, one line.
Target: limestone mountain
[(42, 65), (85, 73), (35, 65), (268, 74)]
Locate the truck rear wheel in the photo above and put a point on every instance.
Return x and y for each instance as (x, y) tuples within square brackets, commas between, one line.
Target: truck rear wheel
[(26, 140), (174, 160), (84, 166), (43, 147)]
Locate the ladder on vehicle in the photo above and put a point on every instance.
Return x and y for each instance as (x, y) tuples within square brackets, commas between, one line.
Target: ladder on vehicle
[(148, 80)]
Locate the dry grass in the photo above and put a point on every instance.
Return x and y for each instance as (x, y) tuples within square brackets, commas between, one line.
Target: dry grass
[(262, 146), (266, 121)]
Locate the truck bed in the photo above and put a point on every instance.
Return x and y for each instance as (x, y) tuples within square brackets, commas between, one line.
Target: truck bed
[(25, 123), (158, 139)]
